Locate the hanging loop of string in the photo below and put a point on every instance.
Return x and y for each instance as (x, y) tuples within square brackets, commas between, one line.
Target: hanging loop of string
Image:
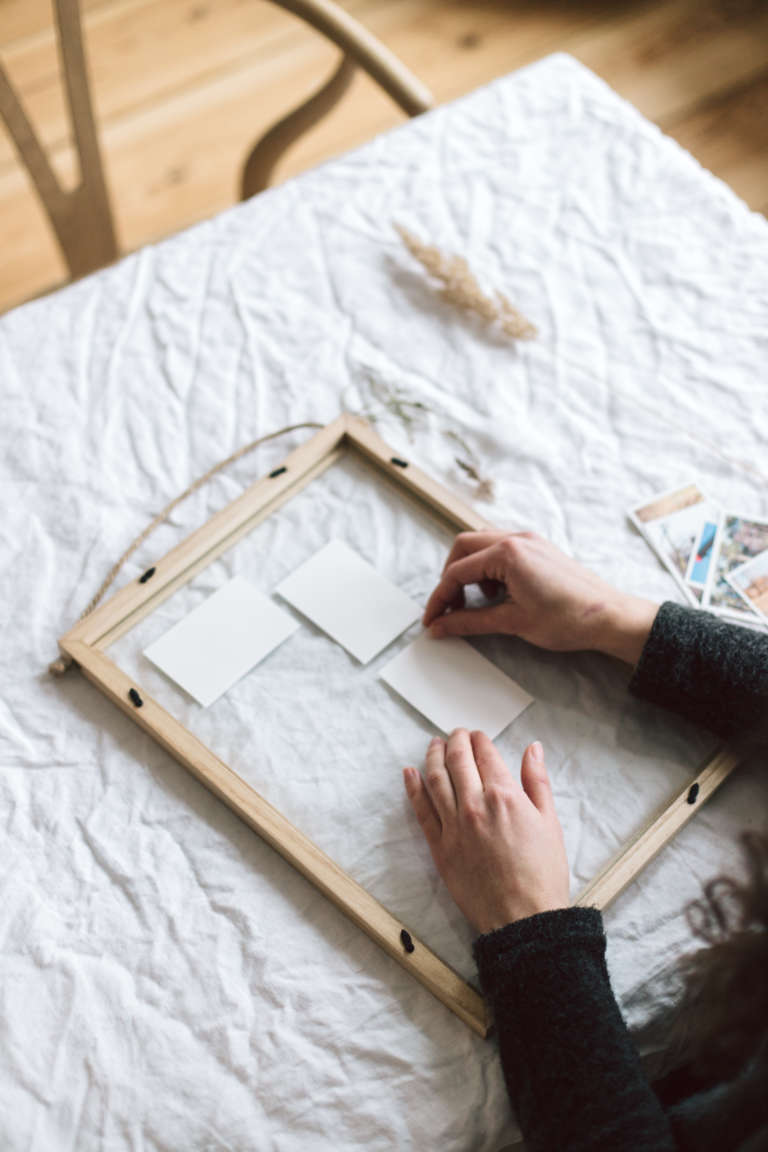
[(60, 665)]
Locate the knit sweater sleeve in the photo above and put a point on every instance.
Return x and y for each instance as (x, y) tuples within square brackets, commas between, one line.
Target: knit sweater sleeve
[(570, 1067), (706, 669)]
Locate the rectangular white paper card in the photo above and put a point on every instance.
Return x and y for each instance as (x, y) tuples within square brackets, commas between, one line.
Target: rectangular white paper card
[(220, 640), (350, 600), (450, 683)]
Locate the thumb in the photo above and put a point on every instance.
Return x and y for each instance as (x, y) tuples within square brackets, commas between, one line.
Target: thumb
[(534, 778), (469, 622)]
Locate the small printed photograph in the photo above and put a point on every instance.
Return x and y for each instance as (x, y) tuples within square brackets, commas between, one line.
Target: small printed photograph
[(700, 562), (750, 580), (740, 538), (673, 524)]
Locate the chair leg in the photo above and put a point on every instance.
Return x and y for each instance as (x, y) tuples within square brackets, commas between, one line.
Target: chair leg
[(81, 218), (87, 235)]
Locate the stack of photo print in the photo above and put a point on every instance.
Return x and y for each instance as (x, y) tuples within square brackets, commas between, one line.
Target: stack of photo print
[(719, 558)]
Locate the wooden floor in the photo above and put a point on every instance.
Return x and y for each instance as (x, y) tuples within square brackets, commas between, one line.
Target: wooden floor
[(183, 87)]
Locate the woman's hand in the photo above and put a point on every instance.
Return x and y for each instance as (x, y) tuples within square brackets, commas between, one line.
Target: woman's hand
[(497, 844), (550, 600)]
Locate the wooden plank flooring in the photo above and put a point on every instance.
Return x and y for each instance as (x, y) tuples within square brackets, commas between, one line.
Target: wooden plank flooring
[(183, 87)]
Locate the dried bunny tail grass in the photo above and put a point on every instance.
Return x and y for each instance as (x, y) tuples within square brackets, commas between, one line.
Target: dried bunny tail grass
[(461, 288)]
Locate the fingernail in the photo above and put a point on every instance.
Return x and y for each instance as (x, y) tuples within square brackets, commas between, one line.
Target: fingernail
[(408, 779), (537, 752)]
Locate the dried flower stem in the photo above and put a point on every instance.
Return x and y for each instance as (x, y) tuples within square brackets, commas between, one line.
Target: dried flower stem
[(470, 466)]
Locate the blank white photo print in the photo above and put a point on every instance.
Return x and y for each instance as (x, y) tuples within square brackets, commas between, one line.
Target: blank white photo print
[(450, 683), (347, 598), (220, 640)]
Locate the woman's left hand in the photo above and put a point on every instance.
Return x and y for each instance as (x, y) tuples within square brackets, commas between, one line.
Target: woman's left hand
[(497, 844)]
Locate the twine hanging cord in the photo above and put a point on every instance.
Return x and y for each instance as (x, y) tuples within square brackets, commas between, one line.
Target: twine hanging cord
[(60, 666)]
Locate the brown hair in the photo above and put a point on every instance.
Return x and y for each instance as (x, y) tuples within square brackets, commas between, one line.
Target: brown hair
[(724, 1011)]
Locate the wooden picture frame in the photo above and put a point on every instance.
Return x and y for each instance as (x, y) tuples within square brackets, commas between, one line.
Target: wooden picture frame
[(85, 644)]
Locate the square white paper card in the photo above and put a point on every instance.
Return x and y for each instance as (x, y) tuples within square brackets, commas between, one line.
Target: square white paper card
[(450, 683), (346, 597), (220, 640)]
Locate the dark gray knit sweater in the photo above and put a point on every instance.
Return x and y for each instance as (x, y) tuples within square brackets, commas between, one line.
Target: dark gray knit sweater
[(571, 1069)]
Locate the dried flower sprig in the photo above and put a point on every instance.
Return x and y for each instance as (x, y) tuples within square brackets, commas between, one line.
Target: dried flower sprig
[(392, 399), (460, 288), (384, 396), (470, 466)]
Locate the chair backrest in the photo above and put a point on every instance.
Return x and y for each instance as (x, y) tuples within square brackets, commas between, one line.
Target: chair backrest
[(81, 217), (360, 48)]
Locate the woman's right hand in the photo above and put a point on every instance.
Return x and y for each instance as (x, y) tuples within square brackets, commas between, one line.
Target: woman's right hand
[(550, 600)]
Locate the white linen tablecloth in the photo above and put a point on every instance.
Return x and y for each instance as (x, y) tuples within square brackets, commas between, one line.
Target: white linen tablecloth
[(166, 981)]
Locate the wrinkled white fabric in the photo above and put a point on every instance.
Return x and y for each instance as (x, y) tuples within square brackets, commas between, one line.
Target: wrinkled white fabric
[(166, 981)]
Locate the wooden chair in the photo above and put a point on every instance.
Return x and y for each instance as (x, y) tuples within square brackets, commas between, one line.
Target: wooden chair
[(82, 218)]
